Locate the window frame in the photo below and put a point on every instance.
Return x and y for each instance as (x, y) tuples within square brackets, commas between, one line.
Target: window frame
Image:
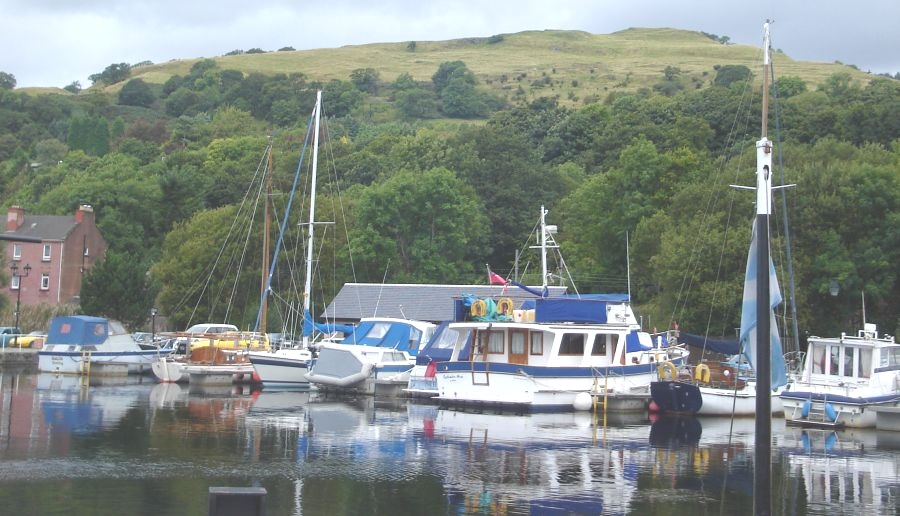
[(45, 281), (46, 253)]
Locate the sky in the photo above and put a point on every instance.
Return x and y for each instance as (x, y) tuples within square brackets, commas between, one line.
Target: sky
[(57, 42)]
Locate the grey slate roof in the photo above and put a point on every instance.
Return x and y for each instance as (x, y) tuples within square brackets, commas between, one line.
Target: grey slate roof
[(45, 227), (423, 302)]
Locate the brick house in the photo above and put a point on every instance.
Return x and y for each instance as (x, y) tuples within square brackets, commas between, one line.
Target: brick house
[(59, 248)]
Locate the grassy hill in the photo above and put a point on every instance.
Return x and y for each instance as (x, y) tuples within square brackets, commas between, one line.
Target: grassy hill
[(576, 66)]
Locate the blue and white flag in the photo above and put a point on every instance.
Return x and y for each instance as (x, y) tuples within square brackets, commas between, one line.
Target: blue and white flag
[(749, 316)]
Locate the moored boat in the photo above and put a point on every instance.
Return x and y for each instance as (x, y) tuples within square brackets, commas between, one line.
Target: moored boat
[(76, 344), (844, 380), (376, 357), (552, 353)]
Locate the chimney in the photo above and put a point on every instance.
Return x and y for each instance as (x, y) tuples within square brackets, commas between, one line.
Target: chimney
[(15, 217), (84, 212)]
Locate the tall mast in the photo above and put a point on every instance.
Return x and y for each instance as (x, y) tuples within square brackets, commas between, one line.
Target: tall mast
[(544, 249), (762, 482), (307, 288), (267, 218)]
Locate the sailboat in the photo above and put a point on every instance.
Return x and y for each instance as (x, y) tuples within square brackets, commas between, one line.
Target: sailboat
[(733, 390), (288, 366)]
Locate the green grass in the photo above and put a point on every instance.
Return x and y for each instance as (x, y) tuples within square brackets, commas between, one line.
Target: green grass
[(573, 65)]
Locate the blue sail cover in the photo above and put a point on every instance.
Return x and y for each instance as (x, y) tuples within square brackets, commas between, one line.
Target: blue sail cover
[(749, 316), (724, 346), (309, 325)]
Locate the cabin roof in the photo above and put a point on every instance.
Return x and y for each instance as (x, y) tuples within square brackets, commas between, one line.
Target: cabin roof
[(429, 302)]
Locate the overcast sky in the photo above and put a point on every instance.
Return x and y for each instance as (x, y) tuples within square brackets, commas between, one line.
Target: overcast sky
[(56, 42)]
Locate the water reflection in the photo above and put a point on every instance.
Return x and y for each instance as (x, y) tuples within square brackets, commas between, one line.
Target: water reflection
[(69, 447)]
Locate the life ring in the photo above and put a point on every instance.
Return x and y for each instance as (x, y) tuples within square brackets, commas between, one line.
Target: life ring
[(505, 306), (701, 373), (479, 308), (667, 371)]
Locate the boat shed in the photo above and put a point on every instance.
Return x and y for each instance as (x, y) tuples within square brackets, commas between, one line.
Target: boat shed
[(434, 303)]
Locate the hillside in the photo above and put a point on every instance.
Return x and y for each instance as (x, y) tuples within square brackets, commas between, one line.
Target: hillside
[(576, 66)]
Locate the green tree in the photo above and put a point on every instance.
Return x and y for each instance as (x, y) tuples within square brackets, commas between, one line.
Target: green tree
[(726, 75), (419, 227), (90, 134), (112, 74), (136, 92), (119, 288), (7, 81), (365, 79)]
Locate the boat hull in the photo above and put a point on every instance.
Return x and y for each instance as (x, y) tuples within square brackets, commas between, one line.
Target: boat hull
[(78, 362), (681, 397), (623, 388), (281, 368), (826, 409)]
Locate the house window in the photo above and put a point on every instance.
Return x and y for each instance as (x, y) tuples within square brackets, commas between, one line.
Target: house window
[(45, 281), (17, 251), (572, 344), (14, 282), (86, 251), (46, 256)]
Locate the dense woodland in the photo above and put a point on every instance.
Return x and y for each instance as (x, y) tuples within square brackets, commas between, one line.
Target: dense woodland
[(430, 180)]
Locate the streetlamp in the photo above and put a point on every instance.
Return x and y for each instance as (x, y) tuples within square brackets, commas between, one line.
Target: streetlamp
[(153, 312), (17, 279)]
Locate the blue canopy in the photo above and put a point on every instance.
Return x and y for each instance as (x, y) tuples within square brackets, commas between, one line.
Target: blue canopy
[(79, 330)]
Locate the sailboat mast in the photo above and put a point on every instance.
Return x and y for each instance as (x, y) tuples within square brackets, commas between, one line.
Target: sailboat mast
[(762, 491), (267, 220), (544, 250), (307, 288)]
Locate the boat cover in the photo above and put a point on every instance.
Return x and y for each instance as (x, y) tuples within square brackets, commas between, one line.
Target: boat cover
[(78, 330)]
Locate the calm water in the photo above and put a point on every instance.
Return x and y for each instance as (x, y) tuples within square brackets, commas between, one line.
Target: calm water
[(140, 448)]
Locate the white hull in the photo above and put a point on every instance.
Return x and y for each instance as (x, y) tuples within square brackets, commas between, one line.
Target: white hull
[(623, 393), (284, 368), (76, 362), (220, 374), (361, 369), (168, 370), (725, 402)]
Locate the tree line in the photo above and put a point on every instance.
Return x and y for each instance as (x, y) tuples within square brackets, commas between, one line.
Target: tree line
[(436, 179)]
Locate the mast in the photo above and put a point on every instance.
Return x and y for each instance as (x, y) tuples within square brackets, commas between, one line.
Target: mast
[(762, 482), (544, 281), (307, 288), (267, 221)]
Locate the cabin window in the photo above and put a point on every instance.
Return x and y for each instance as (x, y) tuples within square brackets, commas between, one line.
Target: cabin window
[(379, 330), (46, 255), (849, 353), (45, 281), (572, 344), (494, 342), (890, 356), (537, 343), (818, 354), (864, 366), (17, 251), (447, 339), (834, 360), (599, 347)]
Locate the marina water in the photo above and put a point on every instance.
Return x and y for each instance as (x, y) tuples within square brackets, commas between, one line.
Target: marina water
[(128, 445)]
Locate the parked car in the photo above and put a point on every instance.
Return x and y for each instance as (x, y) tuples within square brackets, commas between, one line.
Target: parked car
[(12, 337)]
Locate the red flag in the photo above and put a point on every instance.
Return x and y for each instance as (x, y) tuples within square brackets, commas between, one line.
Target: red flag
[(496, 279)]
